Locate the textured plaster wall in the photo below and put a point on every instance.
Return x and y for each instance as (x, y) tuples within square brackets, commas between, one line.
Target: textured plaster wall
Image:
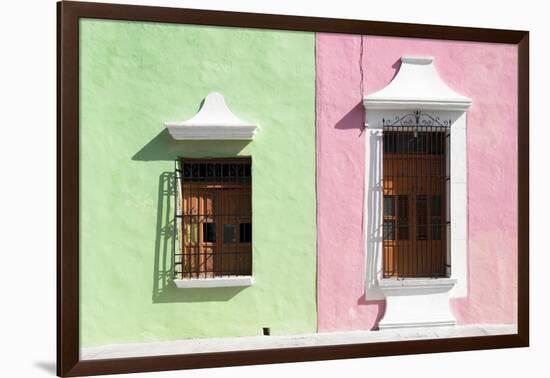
[(484, 72), (135, 76)]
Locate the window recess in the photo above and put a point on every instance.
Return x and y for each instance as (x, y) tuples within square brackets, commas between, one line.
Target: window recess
[(414, 182), (213, 227)]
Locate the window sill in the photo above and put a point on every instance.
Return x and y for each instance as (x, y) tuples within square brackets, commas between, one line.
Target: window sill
[(417, 302), (407, 284), (232, 281)]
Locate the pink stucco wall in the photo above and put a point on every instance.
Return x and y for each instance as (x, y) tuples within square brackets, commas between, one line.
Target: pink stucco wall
[(484, 72)]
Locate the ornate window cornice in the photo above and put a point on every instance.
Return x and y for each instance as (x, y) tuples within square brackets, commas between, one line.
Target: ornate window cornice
[(214, 121)]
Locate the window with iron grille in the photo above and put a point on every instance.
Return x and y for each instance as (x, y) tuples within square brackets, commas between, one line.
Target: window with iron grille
[(214, 218), (415, 190)]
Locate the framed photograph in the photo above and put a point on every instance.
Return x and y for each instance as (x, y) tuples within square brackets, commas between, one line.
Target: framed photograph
[(238, 188)]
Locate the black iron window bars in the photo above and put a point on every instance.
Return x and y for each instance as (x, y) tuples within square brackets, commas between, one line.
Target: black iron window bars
[(416, 187), (213, 218)]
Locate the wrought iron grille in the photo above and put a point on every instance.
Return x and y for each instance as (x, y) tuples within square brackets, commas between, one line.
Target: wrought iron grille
[(415, 185), (213, 212)]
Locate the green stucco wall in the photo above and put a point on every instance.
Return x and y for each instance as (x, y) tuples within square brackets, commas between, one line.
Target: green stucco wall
[(133, 77)]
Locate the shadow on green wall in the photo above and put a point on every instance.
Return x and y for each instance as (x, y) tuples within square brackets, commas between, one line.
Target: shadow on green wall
[(164, 148), (164, 289)]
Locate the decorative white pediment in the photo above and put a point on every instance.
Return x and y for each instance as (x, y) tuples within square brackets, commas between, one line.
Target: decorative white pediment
[(214, 121), (417, 85)]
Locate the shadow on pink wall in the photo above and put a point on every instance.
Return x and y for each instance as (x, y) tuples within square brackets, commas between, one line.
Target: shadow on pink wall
[(380, 307), (354, 119)]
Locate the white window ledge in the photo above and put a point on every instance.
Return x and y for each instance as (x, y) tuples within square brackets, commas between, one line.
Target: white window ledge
[(232, 281), (417, 302), (415, 284)]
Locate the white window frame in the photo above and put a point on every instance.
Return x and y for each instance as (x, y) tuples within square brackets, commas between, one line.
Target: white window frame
[(214, 121), (200, 282), (414, 302)]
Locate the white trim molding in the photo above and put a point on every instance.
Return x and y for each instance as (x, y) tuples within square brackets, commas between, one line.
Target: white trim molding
[(412, 302), (214, 121), (232, 281)]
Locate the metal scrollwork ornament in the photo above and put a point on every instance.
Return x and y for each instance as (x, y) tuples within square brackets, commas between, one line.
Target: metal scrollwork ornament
[(415, 119)]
